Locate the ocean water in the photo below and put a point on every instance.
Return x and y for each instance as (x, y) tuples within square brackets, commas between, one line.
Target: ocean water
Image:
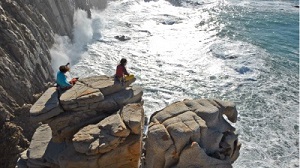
[(243, 51)]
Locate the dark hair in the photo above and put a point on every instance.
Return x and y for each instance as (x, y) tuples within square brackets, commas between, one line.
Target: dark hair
[(64, 68), (123, 61)]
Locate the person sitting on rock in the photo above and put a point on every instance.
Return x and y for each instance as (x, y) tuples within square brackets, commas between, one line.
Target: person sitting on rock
[(61, 79), (121, 73)]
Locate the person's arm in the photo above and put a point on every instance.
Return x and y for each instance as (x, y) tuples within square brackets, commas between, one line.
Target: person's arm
[(66, 82), (62, 81), (125, 71)]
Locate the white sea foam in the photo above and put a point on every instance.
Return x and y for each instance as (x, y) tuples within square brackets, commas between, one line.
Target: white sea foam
[(189, 60), (85, 32)]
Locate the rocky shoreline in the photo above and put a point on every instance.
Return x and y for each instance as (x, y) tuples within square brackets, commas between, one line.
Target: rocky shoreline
[(94, 124), (98, 123)]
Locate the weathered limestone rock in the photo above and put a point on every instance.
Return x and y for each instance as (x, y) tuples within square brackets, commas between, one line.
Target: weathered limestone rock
[(192, 133), (47, 106), (92, 130)]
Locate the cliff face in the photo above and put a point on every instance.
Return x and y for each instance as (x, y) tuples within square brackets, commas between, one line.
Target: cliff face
[(26, 34)]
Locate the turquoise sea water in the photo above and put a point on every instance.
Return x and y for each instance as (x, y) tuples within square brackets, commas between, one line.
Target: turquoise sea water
[(244, 51), (272, 117)]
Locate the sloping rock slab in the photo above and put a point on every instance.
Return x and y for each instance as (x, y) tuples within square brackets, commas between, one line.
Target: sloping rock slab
[(107, 85), (80, 95), (47, 106), (38, 146), (192, 133)]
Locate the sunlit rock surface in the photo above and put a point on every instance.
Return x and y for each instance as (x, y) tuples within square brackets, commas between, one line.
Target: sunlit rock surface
[(96, 123), (193, 133)]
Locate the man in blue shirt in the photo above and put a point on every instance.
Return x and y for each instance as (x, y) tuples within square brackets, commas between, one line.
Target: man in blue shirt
[(61, 78)]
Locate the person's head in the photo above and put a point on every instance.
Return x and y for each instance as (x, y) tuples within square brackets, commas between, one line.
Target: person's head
[(64, 68), (123, 61)]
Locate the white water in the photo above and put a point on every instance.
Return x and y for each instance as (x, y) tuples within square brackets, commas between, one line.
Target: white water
[(188, 60)]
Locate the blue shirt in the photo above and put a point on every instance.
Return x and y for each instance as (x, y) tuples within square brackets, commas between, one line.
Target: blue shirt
[(61, 80)]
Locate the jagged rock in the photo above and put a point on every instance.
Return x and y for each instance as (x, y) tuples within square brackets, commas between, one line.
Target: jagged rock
[(192, 133), (47, 106), (122, 38)]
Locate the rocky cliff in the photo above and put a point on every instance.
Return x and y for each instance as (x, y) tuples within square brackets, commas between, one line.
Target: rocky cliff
[(26, 32), (94, 124), (99, 124)]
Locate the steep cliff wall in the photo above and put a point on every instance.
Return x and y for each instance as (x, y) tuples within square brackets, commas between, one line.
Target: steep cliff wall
[(27, 29)]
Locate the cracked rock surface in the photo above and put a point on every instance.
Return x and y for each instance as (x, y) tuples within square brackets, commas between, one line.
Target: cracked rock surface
[(193, 133), (96, 123)]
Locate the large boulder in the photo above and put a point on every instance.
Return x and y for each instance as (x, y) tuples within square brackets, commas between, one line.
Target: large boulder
[(192, 133)]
